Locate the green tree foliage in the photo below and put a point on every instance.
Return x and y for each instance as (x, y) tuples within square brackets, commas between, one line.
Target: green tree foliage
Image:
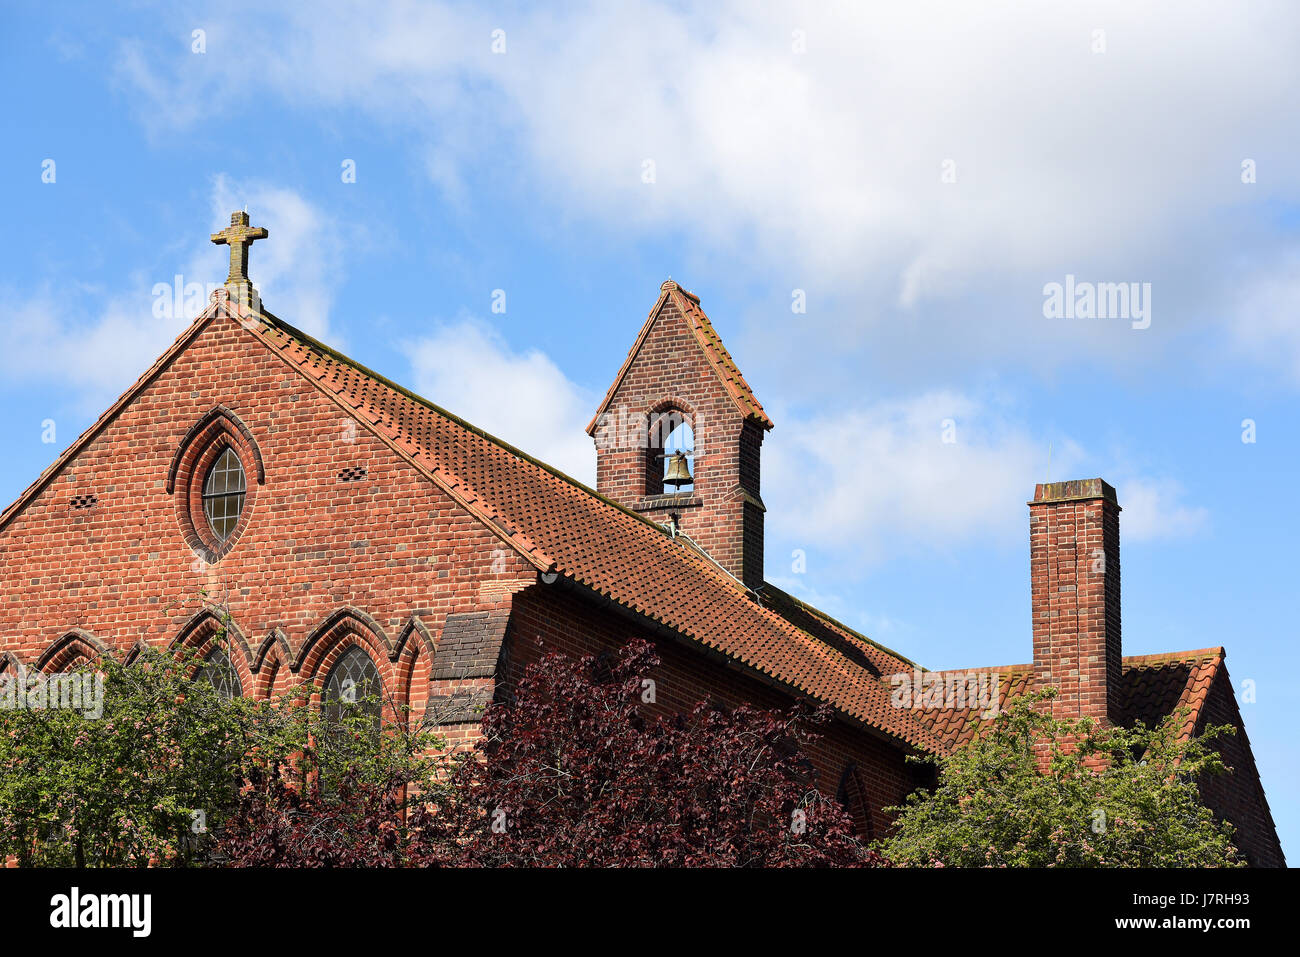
[(158, 771), (1033, 790), (574, 771)]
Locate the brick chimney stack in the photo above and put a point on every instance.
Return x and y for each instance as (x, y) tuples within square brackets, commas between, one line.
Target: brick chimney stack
[(1074, 570)]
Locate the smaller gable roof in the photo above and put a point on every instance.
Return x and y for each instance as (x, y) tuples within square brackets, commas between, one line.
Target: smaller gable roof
[(719, 359)]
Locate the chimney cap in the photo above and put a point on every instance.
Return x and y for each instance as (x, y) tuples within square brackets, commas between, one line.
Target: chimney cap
[(1074, 490)]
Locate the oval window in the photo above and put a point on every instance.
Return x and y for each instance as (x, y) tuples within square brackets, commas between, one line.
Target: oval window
[(223, 494)]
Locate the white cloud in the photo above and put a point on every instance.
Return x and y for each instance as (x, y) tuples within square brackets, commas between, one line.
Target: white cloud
[(875, 479), (92, 361), (870, 482), (1154, 510), (522, 397), (1265, 322), (95, 342), (822, 169)]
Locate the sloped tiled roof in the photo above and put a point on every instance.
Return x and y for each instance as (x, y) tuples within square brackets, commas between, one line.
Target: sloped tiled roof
[(879, 659), (565, 528), (710, 344), (1153, 687), (1157, 685), (957, 726)]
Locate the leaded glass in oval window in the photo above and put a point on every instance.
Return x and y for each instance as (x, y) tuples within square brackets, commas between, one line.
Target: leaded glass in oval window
[(223, 494), (353, 682), (219, 671)]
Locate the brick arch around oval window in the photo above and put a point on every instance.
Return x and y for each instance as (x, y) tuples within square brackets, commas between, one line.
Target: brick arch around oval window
[(72, 648), (217, 430), (341, 630)]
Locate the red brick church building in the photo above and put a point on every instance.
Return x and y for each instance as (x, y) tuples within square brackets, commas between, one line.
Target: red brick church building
[(349, 526)]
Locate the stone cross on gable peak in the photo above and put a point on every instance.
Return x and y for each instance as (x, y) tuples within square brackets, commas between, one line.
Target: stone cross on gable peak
[(239, 236)]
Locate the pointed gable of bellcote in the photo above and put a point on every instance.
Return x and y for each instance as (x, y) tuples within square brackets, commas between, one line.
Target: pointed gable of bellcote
[(679, 390)]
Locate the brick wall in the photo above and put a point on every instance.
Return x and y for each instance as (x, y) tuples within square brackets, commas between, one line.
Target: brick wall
[(723, 513), (549, 618), (387, 544), (1239, 796), (1075, 596)]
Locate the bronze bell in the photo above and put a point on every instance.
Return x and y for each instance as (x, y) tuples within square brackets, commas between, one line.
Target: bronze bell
[(679, 473)]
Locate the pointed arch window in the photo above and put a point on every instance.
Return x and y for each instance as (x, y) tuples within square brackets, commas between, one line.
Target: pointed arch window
[(680, 439), (671, 433), (224, 489), (219, 671), (853, 795), (353, 683)]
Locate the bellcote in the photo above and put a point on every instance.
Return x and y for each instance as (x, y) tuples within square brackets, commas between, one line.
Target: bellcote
[(679, 396)]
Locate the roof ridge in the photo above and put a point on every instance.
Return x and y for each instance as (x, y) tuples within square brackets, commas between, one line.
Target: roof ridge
[(1191, 699), (1169, 657), (998, 669), (836, 623)]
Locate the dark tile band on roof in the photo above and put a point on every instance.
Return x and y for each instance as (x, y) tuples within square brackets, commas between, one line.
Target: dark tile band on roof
[(470, 644)]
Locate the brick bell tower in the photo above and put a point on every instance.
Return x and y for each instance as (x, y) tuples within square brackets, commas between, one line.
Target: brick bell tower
[(679, 391)]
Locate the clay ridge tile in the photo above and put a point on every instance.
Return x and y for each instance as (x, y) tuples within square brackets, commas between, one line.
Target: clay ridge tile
[(710, 343)]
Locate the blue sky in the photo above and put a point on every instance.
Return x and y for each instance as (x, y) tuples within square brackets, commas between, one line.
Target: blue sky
[(920, 174)]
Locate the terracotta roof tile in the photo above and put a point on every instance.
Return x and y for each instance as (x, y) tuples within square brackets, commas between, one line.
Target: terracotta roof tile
[(710, 344), (1157, 685), (1153, 686), (566, 528), (957, 726), (561, 526)]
